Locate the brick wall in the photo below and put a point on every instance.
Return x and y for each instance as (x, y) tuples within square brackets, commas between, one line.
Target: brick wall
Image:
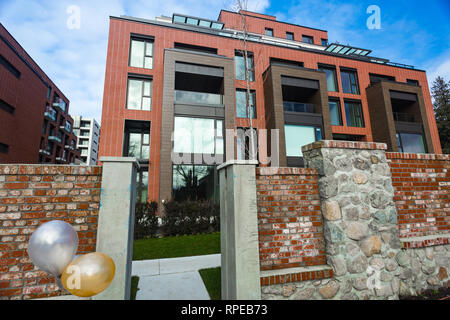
[(34, 194), (422, 198), (289, 218)]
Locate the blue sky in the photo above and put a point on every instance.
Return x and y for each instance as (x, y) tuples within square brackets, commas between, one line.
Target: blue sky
[(412, 32)]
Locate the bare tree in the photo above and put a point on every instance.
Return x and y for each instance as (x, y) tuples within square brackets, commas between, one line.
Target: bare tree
[(240, 6)]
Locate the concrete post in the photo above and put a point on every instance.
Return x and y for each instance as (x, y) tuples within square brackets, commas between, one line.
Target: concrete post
[(115, 231), (239, 231)]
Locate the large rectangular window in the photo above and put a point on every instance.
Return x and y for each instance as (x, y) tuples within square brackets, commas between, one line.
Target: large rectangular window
[(239, 64), (289, 36), (198, 135), (349, 80), (410, 142), (297, 136), (269, 32), (335, 112), (354, 114), (241, 103), (192, 182), (137, 140), (141, 185), (141, 53), (139, 94), (331, 77)]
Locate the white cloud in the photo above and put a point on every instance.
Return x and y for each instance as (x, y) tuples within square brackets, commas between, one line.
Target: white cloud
[(75, 59), (439, 67)]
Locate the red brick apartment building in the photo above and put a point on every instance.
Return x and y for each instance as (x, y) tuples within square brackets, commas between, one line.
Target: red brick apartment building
[(185, 75), (35, 125)]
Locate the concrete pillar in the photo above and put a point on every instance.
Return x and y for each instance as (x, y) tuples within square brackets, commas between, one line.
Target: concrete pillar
[(239, 231), (116, 222)]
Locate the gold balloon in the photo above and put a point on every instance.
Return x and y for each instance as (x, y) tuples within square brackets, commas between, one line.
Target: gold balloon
[(89, 274)]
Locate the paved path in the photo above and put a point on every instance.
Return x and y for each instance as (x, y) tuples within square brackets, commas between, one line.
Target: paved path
[(174, 278)]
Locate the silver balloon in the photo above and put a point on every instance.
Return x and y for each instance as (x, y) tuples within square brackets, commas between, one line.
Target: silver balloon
[(52, 246)]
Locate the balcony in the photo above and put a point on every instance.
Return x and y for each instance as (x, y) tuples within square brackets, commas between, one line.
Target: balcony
[(403, 117), (66, 127), (188, 97), (298, 107), (59, 103), (50, 114), (44, 151)]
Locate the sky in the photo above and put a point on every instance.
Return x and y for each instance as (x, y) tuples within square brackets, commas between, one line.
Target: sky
[(74, 55)]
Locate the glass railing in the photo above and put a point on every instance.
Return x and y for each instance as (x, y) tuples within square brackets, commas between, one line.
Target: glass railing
[(60, 104), (404, 117), (298, 107), (67, 126), (198, 97), (50, 113)]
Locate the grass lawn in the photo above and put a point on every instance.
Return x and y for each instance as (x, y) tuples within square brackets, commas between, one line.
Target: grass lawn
[(134, 287), (211, 279), (177, 246)]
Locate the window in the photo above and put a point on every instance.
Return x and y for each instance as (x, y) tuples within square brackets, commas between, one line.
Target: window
[(193, 182), (44, 126), (413, 82), (353, 114), (241, 103), (349, 81), (141, 53), (239, 64), (307, 39), (269, 32), (141, 185), (331, 77), (198, 135), (4, 148), (410, 142), (139, 94), (324, 42), (297, 136), (289, 36), (335, 112), (6, 106), (9, 67), (137, 139), (49, 92), (191, 47)]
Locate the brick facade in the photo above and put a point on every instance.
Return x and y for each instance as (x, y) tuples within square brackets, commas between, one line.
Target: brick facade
[(422, 184), (289, 218), (34, 194)]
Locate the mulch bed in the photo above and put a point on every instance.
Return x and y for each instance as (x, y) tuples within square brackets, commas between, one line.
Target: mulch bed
[(431, 294)]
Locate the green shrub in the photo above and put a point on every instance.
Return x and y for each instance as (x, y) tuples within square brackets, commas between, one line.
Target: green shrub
[(146, 220), (190, 217)]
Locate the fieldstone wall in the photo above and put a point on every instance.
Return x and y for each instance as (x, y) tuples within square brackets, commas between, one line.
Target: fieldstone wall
[(361, 232)]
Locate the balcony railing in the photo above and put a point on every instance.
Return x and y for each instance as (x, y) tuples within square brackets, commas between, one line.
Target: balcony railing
[(298, 107), (198, 97), (66, 127), (59, 103), (54, 138), (50, 113), (403, 117)]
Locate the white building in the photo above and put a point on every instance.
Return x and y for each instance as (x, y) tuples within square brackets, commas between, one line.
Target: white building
[(87, 131)]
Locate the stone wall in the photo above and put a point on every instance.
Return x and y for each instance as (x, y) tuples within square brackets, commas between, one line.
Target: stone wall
[(34, 194), (361, 231)]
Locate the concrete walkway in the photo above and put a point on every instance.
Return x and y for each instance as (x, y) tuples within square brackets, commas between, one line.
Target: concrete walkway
[(174, 278)]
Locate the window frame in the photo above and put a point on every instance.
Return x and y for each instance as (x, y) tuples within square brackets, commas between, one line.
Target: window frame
[(305, 36), (268, 30), (323, 67), (139, 128), (290, 34), (338, 102), (251, 69), (349, 118), (350, 72), (143, 79), (146, 41), (253, 106)]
